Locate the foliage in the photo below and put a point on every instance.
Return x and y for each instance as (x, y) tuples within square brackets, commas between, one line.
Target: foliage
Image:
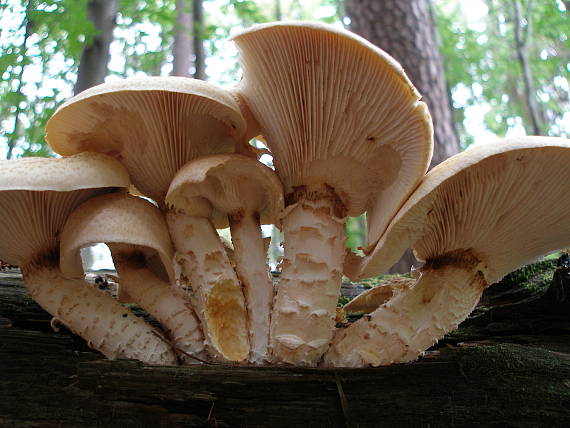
[(483, 71)]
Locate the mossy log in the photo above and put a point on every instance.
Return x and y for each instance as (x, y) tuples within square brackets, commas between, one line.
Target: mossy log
[(518, 378)]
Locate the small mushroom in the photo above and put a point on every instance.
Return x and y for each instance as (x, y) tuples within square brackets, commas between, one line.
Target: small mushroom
[(245, 191), (36, 197), (137, 235), (348, 133), (371, 299), (473, 219)]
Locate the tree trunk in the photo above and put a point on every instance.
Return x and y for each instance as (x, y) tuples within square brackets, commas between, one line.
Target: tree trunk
[(405, 29), (182, 50), (198, 32), (509, 367), (522, 44), (95, 55)]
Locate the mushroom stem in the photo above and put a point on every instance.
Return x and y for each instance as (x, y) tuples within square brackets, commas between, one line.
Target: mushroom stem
[(107, 326), (400, 330), (168, 306), (304, 311), (216, 292), (253, 271)]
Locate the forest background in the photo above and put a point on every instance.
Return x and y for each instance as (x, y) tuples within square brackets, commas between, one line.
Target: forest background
[(487, 68)]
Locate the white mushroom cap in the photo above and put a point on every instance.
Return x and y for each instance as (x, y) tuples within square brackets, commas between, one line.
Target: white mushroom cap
[(153, 125), (505, 203), (231, 184), (336, 111), (119, 219), (38, 194)]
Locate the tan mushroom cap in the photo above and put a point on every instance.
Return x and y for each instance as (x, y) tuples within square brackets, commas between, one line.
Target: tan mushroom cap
[(38, 194), (337, 111), (371, 299), (506, 203), (117, 218), (230, 184), (154, 125)]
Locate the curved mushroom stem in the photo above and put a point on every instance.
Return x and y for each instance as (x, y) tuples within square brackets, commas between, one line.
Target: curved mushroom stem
[(107, 326), (400, 330), (216, 292), (171, 308), (303, 318), (253, 271)]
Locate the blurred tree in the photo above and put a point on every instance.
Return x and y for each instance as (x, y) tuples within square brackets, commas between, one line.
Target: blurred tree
[(183, 46), (199, 32), (95, 55)]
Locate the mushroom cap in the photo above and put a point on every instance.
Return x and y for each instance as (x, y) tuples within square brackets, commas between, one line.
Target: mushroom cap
[(371, 299), (228, 184), (38, 194), (506, 203), (120, 219), (337, 111), (153, 125)]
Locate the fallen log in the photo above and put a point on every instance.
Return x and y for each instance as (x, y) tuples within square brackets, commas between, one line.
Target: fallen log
[(517, 378)]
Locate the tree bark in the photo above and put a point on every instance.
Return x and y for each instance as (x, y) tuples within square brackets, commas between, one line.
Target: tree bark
[(198, 31), (517, 376), (95, 55), (405, 29), (182, 49)]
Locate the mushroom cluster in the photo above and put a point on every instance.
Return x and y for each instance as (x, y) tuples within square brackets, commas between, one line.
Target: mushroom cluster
[(349, 135)]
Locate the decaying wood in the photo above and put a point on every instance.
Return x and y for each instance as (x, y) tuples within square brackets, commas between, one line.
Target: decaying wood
[(519, 377)]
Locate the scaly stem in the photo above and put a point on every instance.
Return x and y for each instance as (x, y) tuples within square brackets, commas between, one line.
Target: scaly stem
[(107, 326), (404, 327), (216, 292), (170, 307), (253, 271), (304, 311)]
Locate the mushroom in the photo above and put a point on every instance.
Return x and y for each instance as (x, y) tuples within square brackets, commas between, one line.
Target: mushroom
[(348, 134), (137, 235), (473, 219), (240, 190), (369, 300), (154, 126), (37, 195)]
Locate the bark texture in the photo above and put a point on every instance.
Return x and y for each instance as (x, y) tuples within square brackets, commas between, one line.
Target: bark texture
[(405, 29), (95, 55)]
